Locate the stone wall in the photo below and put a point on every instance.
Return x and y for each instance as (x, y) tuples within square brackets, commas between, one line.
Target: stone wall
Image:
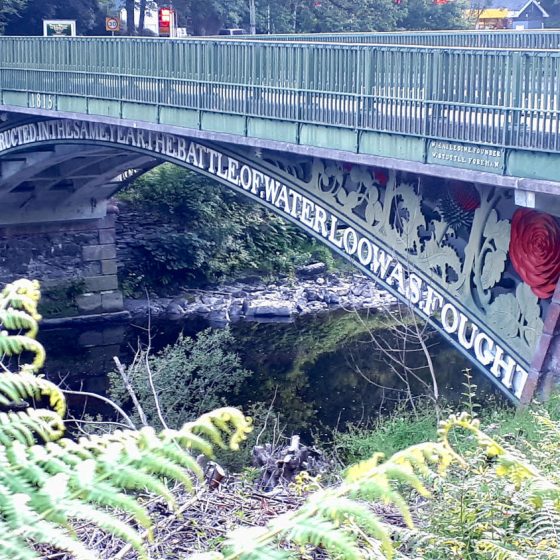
[(133, 227), (77, 258)]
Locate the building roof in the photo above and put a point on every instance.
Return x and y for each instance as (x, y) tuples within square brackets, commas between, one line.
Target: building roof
[(497, 9)]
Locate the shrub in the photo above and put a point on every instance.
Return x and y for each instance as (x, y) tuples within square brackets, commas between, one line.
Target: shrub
[(188, 378)]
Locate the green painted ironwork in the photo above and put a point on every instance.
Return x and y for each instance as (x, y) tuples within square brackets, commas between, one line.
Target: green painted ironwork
[(499, 39), (474, 96)]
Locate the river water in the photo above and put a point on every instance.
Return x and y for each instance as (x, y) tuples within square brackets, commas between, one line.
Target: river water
[(320, 370)]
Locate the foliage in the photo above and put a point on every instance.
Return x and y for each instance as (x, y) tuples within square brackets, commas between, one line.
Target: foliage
[(428, 15), (206, 17), (10, 9), (489, 501), (476, 513), (28, 20), (48, 482), (498, 507), (211, 234), (188, 377)]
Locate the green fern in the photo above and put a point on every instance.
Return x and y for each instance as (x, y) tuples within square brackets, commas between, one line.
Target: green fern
[(47, 481)]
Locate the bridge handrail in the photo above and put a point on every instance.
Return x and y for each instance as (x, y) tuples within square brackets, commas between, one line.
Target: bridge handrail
[(499, 97), (506, 38)]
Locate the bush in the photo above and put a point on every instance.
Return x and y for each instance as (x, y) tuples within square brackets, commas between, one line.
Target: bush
[(188, 377)]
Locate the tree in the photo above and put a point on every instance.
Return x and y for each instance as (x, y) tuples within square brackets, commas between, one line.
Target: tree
[(427, 15), (29, 21), (10, 9)]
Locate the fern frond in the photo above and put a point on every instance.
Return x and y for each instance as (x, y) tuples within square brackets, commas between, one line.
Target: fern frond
[(15, 549), (15, 388), (250, 543), (341, 509), (26, 426), (22, 294), (545, 523), (13, 345), (18, 320), (24, 522), (227, 420), (47, 481), (320, 532), (496, 551), (107, 522)]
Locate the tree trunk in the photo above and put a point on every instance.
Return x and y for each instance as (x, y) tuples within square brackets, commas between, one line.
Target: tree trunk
[(130, 27), (142, 17), (252, 17)]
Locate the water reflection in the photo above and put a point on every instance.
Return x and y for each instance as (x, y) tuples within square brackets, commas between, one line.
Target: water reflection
[(321, 370)]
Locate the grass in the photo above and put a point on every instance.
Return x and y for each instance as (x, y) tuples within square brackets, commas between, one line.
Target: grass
[(404, 427)]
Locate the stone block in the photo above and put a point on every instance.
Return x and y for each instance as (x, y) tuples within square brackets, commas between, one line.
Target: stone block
[(113, 335), (107, 222), (99, 252), (89, 303), (92, 268), (107, 236), (109, 266), (90, 338), (112, 301), (101, 283)]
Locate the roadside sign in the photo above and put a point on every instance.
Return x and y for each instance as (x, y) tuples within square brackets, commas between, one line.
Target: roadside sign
[(167, 24), (112, 24), (59, 28)]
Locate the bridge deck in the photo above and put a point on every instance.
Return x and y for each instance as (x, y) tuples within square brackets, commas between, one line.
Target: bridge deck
[(303, 91)]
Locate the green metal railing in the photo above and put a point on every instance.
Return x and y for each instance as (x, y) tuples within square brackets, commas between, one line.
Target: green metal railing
[(480, 96), (504, 39)]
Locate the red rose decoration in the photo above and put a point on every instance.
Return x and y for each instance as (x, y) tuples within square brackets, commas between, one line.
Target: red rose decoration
[(534, 250)]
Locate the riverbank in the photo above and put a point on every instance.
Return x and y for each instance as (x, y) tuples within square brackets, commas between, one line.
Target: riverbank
[(313, 291)]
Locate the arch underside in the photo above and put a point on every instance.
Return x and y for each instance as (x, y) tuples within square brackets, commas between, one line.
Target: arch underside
[(440, 247)]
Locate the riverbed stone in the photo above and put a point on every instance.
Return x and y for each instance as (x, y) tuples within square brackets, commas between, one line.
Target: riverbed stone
[(175, 308), (269, 308), (202, 309), (311, 270)]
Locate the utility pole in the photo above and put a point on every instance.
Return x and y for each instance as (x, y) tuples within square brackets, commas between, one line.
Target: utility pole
[(252, 17)]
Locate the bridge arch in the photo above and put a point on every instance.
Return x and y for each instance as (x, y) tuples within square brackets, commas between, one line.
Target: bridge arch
[(441, 248)]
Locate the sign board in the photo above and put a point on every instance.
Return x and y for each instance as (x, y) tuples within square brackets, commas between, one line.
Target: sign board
[(112, 24), (166, 22), (59, 28), (479, 158)]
